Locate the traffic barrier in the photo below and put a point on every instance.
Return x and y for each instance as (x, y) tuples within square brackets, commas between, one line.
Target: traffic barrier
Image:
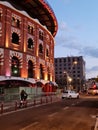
[(2, 108)]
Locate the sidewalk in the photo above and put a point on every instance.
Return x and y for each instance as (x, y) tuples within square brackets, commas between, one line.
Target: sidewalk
[(14, 105)]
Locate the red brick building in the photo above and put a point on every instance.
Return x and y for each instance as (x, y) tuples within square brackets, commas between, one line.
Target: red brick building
[(27, 31)]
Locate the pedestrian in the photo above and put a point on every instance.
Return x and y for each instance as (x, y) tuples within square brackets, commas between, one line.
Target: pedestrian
[(24, 95)]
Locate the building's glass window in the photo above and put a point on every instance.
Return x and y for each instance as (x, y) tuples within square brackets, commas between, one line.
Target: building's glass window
[(78, 71), (0, 16), (64, 60), (47, 52), (1, 90), (60, 60), (48, 76), (41, 35), (15, 38), (30, 69), (15, 71), (55, 60), (30, 43), (41, 72), (15, 22), (18, 23), (40, 48), (69, 59), (30, 29)]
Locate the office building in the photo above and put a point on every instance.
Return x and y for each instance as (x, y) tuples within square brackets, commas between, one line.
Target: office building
[(70, 72)]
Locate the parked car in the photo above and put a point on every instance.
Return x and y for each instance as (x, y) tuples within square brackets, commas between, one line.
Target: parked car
[(93, 91), (70, 94)]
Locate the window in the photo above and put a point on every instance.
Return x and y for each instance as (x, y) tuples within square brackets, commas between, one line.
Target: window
[(64, 60), (41, 72), (60, 60), (30, 69), (0, 16), (40, 48), (41, 35), (15, 22), (30, 43), (30, 29), (18, 23), (15, 38), (47, 53), (15, 66)]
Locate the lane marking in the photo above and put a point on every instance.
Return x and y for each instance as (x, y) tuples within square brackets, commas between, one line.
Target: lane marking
[(93, 116), (53, 114), (65, 108), (96, 124), (73, 104), (27, 127)]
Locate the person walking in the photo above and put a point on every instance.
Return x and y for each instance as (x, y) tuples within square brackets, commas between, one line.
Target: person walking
[(23, 96)]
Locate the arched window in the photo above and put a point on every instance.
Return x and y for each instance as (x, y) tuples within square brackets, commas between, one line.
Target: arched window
[(41, 35), (41, 72), (30, 29), (0, 16), (15, 66), (13, 21), (30, 43), (15, 38), (30, 69), (40, 48), (18, 23), (47, 53), (48, 76)]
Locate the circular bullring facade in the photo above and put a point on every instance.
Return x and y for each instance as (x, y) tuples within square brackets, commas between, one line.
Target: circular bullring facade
[(26, 46)]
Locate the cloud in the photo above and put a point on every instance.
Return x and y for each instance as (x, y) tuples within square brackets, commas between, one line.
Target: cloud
[(92, 72), (66, 39), (90, 51), (94, 68), (63, 26)]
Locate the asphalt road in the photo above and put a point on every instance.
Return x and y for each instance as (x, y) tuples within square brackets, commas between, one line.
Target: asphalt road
[(67, 114)]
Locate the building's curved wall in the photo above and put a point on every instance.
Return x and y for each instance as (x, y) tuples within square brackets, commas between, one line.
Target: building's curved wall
[(27, 40)]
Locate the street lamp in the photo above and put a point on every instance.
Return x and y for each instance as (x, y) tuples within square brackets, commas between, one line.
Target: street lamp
[(70, 73), (69, 76)]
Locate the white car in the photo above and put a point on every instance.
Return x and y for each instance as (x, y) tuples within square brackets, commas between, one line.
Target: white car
[(70, 94)]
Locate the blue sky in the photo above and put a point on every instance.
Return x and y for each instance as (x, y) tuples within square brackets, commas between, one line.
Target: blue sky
[(77, 31)]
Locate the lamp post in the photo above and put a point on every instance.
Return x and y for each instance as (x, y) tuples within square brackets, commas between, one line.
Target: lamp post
[(68, 80), (69, 75)]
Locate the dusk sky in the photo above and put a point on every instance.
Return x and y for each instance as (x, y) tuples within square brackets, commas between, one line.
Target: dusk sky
[(77, 31)]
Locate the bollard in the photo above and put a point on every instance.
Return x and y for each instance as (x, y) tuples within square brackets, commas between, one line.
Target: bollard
[(26, 104), (46, 99), (51, 99), (2, 108), (34, 102), (41, 101), (15, 105)]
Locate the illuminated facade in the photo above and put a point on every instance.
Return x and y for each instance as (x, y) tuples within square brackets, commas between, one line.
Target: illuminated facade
[(27, 42)]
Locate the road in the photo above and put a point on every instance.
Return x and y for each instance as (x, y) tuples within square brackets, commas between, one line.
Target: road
[(67, 114)]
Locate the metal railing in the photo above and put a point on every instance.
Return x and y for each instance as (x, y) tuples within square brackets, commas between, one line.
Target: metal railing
[(13, 97)]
